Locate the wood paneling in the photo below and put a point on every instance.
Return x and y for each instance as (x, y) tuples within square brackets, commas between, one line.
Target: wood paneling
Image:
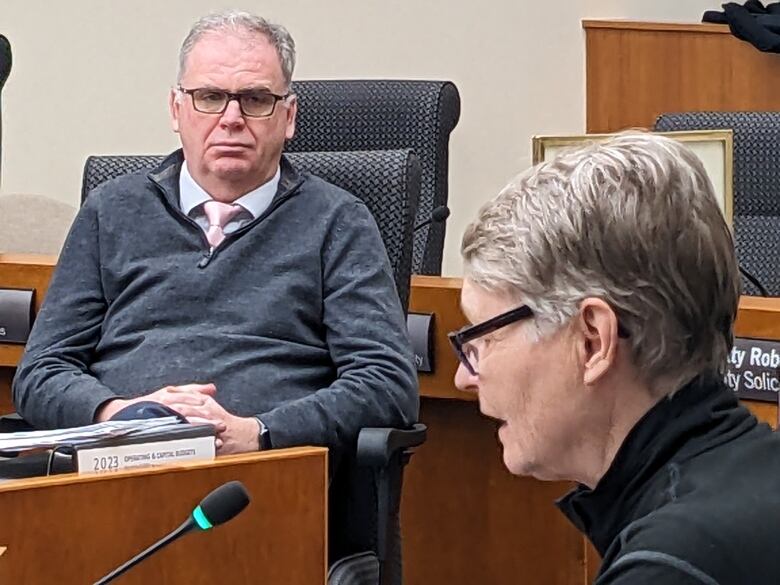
[(757, 317), (677, 27), (441, 297), (467, 520), (73, 529), (6, 377), (637, 71)]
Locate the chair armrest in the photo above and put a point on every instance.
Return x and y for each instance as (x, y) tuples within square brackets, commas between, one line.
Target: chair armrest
[(377, 446), (383, 453), (358, 569)]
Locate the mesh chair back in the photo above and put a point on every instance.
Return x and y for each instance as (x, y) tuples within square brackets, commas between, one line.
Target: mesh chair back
[(101, 168), (342, 115), (388, 182), (756, 186)]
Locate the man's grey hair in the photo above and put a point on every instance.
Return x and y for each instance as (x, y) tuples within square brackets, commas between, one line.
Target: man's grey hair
[(633, 221), (239, 22)]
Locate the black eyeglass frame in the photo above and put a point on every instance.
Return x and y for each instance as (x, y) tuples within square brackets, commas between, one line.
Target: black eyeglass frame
[(459, 338), (234, 96)]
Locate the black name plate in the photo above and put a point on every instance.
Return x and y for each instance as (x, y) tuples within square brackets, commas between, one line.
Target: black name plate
[(753, 369), (420, 326), (16, 315)]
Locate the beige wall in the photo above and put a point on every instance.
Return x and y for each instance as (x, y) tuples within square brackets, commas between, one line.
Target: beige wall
[(91, 76)]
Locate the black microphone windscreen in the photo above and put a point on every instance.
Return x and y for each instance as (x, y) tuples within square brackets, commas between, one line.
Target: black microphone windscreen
[(440, 213), (225, 502)]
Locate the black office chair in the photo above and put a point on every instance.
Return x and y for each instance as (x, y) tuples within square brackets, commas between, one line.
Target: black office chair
[(5, 71), (756, 186), (365, 495), (382, 114)]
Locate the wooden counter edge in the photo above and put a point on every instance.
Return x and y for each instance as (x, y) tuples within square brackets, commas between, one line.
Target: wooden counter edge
[(616, 24), (221, 461), (28, 259), (757, 318), (420, 281)]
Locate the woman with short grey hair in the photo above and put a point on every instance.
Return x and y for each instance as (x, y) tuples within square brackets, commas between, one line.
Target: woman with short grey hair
[(603, 288)]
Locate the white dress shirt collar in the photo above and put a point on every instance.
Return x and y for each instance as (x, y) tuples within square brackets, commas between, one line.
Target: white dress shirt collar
[(191, 195)]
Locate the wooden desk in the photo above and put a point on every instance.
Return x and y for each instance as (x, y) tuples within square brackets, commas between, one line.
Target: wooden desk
[(74, 529), (636, 71), (466, 519)]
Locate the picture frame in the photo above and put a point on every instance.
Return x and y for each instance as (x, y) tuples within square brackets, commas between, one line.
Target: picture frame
[(715, 149)]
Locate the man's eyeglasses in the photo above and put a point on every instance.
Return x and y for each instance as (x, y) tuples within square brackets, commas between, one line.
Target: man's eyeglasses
[(467, 352), (254, 103), (461, 340)]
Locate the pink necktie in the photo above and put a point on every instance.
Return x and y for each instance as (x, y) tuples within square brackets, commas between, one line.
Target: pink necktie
[(219, 214)]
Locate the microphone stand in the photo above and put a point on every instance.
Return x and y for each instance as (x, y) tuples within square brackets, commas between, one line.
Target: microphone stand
[(188, 525)]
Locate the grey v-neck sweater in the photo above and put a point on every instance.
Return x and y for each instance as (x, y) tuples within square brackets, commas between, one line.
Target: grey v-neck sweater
[(294, 317)]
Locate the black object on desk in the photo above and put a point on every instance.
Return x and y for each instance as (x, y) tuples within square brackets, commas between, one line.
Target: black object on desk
[(16, 314)]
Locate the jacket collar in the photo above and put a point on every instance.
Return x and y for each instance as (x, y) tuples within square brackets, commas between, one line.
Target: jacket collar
[(166, 177), (698, 417)]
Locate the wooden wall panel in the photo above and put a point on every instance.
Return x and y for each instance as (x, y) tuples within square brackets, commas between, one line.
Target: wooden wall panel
[(467, 520), (6, 377), (441, 296), (637, 71)]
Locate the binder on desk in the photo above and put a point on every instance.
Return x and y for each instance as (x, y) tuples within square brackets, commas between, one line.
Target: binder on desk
[(105, 447), (183, 442)]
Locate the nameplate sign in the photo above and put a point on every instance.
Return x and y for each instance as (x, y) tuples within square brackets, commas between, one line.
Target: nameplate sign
[(421, 329), (113, 458), (753, 369), (16, 315)]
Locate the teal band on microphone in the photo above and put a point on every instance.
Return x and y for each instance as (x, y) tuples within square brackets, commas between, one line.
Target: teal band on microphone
[(200, 519)]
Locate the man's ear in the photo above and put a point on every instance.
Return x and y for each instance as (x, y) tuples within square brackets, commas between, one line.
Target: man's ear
[(173, 108), (292, 112), (597, 338)]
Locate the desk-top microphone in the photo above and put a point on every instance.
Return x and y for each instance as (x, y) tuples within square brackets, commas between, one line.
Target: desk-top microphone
[(221, 505), (439, 214)]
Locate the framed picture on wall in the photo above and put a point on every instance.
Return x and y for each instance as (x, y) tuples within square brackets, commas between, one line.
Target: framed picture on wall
[(715, 149)]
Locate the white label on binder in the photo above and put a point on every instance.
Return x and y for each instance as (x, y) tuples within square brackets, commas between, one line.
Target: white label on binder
[(101, 459)]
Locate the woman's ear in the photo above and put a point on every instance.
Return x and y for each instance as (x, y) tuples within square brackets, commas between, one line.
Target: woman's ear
[(597, 328)]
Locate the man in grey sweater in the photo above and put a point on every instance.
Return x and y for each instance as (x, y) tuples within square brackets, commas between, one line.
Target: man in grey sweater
[(224, 284)]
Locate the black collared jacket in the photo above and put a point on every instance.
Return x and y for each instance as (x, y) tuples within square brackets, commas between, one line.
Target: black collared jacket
[(692, 497)]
